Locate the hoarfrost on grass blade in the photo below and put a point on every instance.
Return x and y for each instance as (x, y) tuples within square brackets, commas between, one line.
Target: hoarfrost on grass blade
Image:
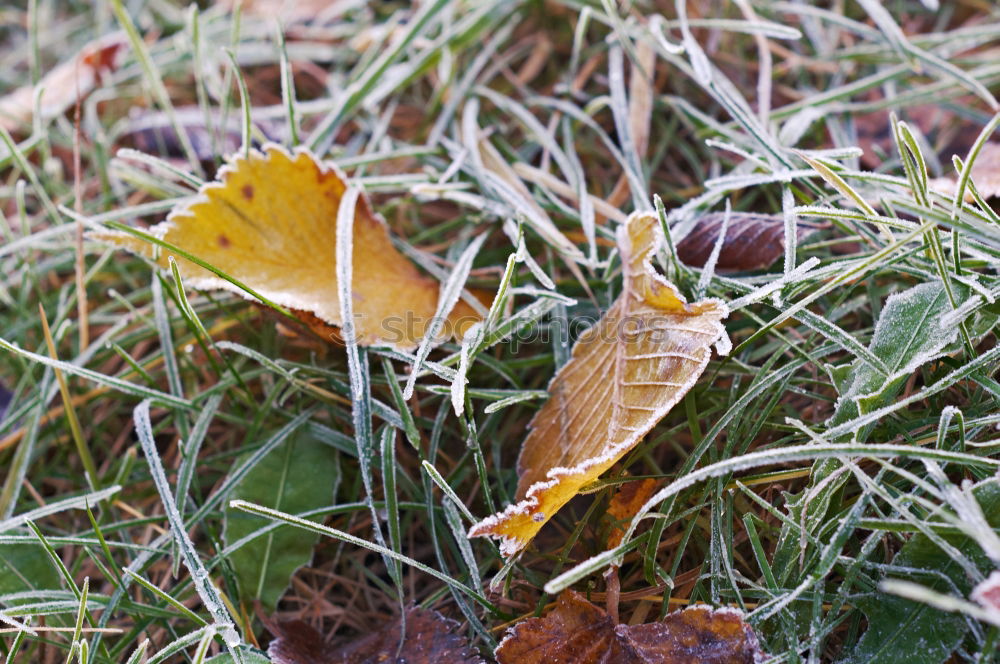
[(78, 502), (451, 290), (199, 575), (798, 453)]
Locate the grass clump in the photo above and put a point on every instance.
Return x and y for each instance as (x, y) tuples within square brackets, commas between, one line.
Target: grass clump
[(834, 476)]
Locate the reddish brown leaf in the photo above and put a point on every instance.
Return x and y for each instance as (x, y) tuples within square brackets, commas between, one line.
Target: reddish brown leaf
[(577, 632), (429, 638), (625, 504), (297, 642), (753, 241)]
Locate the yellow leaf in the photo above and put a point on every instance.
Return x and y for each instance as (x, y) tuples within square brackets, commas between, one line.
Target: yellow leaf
[(270, 223), (626, 373)]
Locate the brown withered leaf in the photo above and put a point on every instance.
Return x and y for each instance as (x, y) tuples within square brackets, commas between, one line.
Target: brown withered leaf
[(626, 373), (156, 132), (985, 175), (625, 504), (296, 642), (753, 241), (270, 222), (60, 86), (577, 632), (429, 638)]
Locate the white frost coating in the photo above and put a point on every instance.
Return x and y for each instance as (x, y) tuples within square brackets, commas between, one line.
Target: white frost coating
[(971, 519), (507, 637), (472, 338), (699, 61), (775, 285), (794, 453), (448, 298), (344, 255), (540, 292), (724, 345), (511, 545), (947, 381), (708, 270), (21, 627), (972, 281), (199, 575), (78, 502), (938, 335), (963, 311), (533, 266), (730, 611)]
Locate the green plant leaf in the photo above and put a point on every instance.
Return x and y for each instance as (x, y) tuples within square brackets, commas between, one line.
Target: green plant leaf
[(26, 567), (296, 476), (900, 630), (908, 334)]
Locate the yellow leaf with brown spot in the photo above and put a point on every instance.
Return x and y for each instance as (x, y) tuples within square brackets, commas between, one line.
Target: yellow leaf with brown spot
[(270, 222), (625, 374)]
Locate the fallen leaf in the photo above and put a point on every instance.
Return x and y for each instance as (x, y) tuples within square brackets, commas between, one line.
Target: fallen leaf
[(264, 567), (577, 632), (987, 593), (296, 642), (61, 86), (753, 241), (429, 638), (625, 504), (270, 223), (927, 634), (156, 132), (985, 175), (626, 373)]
